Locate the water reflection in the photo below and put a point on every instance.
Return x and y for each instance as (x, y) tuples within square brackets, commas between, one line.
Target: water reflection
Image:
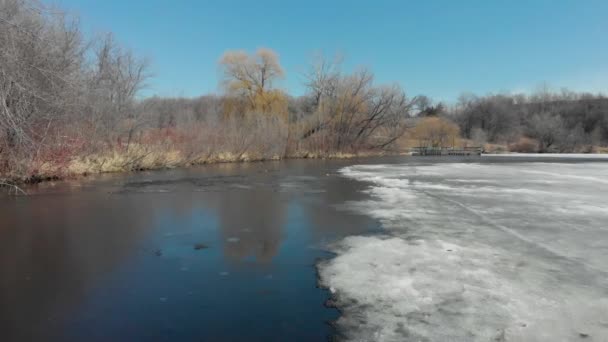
[(251, 223), (114, 258)]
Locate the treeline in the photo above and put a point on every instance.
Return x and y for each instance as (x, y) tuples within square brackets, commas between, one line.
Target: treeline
[(341, 112), (543, 122)]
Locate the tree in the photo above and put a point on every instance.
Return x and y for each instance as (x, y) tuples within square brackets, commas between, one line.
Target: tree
[(41, 63), (251, 77), (51, 78), (479, 136), (116, 78), (351, 111), (435, 132), (547, 129), (425, 106)]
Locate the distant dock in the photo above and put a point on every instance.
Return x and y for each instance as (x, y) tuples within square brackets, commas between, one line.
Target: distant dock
[(446, 151)]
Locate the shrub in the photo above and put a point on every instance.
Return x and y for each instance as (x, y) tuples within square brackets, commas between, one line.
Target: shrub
[(524, 145)]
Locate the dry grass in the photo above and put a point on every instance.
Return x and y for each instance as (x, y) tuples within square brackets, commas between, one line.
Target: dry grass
[(146, 158), (600, 149), (136, 158), (142, 157)]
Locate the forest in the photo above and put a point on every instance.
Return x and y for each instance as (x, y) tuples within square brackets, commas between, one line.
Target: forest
[(71, 105)]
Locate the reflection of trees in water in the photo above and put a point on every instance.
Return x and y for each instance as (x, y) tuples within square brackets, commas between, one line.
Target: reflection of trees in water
[(251, 223)]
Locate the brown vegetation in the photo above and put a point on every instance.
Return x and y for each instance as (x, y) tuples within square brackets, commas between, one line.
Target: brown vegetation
[(524, 145), (435, 132)]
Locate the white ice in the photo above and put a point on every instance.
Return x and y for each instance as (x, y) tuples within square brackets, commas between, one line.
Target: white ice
[(552, 155), (477, 252)]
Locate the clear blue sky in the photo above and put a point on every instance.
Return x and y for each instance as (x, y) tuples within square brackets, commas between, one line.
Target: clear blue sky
[(437, 48)]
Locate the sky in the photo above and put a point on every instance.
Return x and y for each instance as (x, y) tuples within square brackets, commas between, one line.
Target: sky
[(437, 48)]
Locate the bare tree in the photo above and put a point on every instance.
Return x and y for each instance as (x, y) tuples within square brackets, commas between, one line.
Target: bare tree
[(41, 58), (51, 88), (116, 77), (547, 129), (351, 111)]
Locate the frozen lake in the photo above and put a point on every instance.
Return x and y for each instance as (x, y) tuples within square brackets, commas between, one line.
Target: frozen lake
[(476, 252), (427, 249)]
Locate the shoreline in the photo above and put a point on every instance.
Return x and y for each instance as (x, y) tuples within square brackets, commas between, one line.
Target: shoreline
[(15, 182)]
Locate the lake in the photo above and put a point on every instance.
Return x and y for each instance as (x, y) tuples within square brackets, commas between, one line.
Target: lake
[(229, 252)]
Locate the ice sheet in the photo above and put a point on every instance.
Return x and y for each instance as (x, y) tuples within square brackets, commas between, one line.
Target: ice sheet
[(476, 252)]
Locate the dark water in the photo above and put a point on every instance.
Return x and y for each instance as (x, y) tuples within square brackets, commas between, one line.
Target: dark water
[(114, 258)]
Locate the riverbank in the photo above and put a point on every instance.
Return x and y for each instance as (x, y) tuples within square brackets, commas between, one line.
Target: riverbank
[(138, 159)]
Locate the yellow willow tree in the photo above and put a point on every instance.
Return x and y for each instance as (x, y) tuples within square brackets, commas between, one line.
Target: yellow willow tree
[(435, 132), (248, 80)]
